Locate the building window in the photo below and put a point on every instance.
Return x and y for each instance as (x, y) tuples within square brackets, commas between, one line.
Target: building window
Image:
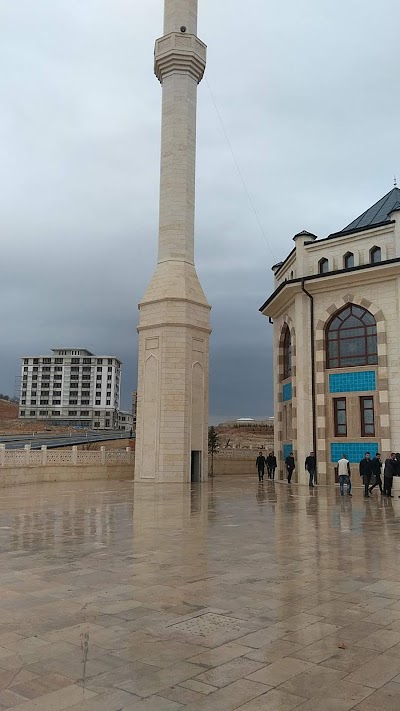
[(348, 260), (22, 413), (287, 354), (25, 377), (96, 424), (340, 416), (109, 377), (56, 402), (107, 423), (84, 413), (351, 338), (36, 361), (33, 402), (87, 361), (75, 360), (72, 413), (44, 402), (57, 377), (86, 369), (26, 361), (42, 413), (367, 416), (97, 414), (375, 255), (108, 402), (109, 369), (56, 413), (99, 361), (98, 402), (23, 402), (46, 360), (73, 402), (323, 266), (32, 413), (99, 377), (58, 368), (86, 376), (75, 369), (26, 369), (58, 360)]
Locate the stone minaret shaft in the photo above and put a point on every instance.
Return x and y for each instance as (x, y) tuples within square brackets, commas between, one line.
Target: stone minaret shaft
[(171, 436)]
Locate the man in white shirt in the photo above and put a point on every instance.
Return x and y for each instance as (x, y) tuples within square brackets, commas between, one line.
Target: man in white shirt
[(344, 475)]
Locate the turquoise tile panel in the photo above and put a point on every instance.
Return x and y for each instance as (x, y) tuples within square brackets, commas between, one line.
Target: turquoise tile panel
[(355, 450), (352, 382), (287, 392), (287, 448)]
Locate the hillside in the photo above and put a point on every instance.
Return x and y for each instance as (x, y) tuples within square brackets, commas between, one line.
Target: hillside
[(10, 424), (244, 437)]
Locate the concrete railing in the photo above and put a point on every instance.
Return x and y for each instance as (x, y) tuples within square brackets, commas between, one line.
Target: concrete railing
[(27, 457)]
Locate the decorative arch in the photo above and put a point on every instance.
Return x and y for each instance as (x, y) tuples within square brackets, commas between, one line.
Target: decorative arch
[(382, 370), (350, 338), (323, 266), (375, 255), (348, 260)]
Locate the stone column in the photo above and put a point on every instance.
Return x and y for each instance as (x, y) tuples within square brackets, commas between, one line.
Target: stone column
[(44, 455), (304, 443), (174, 329)]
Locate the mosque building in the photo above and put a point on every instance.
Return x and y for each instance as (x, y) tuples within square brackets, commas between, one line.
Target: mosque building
[(336, 321)]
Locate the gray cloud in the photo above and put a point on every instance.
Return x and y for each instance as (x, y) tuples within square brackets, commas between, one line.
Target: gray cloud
[(308, 96)]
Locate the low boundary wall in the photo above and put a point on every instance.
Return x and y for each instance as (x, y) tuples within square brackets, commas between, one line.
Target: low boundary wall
[(28, 466)]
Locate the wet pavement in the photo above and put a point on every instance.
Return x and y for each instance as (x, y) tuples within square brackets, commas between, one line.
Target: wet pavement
[(234, 595)]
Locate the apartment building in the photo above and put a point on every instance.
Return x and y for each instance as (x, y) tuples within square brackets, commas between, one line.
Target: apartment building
[(71, 387)]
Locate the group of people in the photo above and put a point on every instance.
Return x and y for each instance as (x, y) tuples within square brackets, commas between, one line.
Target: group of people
[(268, 462), (371, 473)]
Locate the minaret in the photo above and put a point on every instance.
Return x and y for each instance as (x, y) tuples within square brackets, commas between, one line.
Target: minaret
[(174, 315)]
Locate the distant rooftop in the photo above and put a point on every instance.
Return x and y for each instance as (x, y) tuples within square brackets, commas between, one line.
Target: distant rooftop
[(378, 213)]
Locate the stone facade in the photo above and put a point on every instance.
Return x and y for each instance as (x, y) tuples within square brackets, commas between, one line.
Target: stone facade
[(363, 271), (174, 317)]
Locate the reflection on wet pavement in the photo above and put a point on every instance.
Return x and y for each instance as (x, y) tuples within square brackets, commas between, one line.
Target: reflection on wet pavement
[(234, 595)]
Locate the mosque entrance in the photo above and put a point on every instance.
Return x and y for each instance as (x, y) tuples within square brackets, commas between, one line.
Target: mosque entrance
[(195, 470)]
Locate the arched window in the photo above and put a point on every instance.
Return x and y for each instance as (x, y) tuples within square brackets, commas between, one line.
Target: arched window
[(351, 338), (287, 354), (348, 260), (375, 255), (323, 266)]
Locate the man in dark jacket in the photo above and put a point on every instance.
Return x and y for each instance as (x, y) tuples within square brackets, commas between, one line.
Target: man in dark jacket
[(376, 472), (311, 466), (271, 465), (260, 464), (290, 467), (366, 472), (388, 473)]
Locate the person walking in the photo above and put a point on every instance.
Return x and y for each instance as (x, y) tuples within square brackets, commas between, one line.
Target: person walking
[(271, 465), (311, 467), (376, 473), (290, 467), (344, 475), (388, 473), (366, 472), (260, 464)]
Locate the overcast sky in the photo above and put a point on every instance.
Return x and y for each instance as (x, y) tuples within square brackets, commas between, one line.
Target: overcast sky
[(308, 95)]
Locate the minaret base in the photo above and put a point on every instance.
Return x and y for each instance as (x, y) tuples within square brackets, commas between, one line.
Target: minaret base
[(172, 406)]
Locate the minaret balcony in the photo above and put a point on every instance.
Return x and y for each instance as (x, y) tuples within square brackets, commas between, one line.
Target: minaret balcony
[(180, 53)]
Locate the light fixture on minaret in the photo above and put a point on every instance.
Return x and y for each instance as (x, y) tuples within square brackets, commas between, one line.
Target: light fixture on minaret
[(174, 315)]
